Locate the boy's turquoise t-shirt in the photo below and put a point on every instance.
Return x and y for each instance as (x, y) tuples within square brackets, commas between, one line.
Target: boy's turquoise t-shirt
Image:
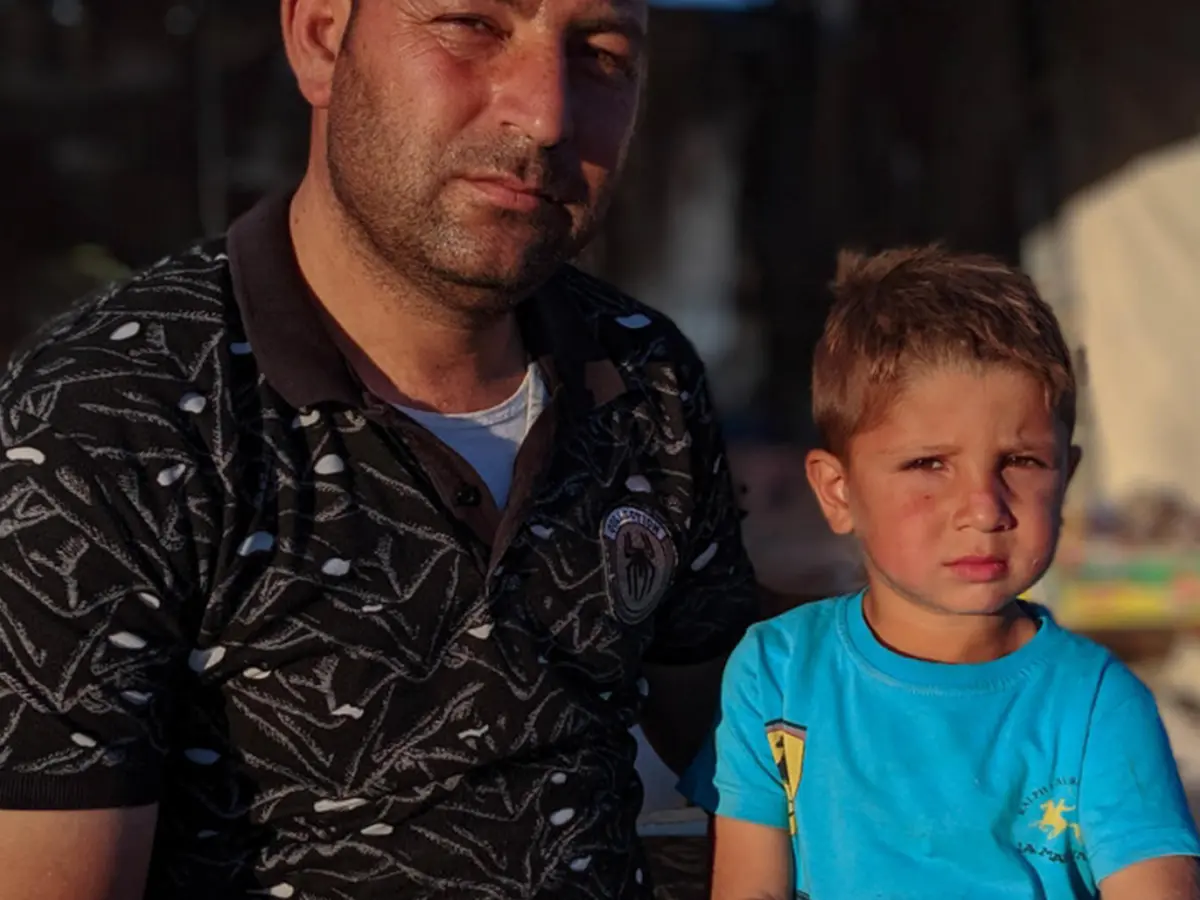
[(1032, 776)]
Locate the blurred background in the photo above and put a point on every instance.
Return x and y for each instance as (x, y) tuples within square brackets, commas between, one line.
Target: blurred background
[(1063, 135)]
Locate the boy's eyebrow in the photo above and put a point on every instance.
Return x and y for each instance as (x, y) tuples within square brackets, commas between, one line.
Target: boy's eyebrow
[(929, 450), (913, 451)]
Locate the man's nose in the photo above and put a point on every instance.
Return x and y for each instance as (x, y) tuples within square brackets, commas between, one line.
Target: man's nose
[(534, 93)]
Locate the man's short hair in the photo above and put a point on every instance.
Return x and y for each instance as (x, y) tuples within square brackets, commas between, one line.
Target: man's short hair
[(906, 310)]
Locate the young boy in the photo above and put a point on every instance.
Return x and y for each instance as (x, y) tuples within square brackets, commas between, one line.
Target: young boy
[(933, 736)]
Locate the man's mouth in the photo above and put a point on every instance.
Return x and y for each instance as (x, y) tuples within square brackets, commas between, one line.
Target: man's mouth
[(509, 192)]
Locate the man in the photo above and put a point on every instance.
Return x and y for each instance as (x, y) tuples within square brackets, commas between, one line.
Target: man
[(341, 554)]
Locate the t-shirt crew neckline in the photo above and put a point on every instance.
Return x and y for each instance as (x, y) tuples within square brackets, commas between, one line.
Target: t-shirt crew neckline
[(530, 393), (926, 675)]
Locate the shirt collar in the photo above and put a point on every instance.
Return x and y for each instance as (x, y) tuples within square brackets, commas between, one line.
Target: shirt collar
[(301, 361)]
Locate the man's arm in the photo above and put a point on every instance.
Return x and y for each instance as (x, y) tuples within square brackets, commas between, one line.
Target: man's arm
[(99, 854), (1166, 878), (753, 862), (714, 599), (90, 647), (678, 712)]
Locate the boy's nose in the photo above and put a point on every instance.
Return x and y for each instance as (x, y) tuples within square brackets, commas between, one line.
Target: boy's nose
[(985, 508)]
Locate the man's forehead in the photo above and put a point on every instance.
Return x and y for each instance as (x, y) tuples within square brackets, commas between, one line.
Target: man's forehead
[(632, 13), (637, 10)]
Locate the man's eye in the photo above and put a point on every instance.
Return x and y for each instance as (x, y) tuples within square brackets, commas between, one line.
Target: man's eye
[(925, 464), (475, 24), (1024, 462), (602, 61), (611, 64)]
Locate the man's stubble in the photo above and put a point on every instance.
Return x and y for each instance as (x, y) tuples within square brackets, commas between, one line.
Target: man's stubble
[(390, 185)]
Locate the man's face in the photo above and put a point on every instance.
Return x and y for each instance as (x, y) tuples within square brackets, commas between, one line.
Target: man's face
[(476, 142), (956, 494)]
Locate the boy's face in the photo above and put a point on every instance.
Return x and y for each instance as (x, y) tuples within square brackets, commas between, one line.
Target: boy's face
[(956, 494)]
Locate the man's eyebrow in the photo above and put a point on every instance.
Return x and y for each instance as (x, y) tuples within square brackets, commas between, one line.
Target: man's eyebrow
[(608, 21), (626, 25), (523, 7), (1033, 446)]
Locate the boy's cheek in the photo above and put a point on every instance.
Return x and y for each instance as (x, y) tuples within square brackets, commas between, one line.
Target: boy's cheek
[(902, 530), (1041, 513), (901, 543), (897, 505)]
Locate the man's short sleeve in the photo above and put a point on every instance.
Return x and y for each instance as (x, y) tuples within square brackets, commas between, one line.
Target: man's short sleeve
[(735, 774), (88, 630), (714, 598), (1132, 806)]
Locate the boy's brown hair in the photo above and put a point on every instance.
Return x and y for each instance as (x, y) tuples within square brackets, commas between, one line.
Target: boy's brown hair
[(904, 310)]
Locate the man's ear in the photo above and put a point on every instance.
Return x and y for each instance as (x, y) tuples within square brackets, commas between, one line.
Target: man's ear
[(313, 31), (827, 477)]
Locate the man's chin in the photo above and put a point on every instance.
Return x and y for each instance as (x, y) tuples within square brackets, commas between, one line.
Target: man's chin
[(502, 269)]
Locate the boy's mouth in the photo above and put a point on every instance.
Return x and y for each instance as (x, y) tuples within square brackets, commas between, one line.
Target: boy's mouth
[(979, 569)]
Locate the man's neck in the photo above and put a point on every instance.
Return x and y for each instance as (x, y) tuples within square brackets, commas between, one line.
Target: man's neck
[(406, 350)]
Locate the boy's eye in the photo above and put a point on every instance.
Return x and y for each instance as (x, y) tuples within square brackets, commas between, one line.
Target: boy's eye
[(925, 464)]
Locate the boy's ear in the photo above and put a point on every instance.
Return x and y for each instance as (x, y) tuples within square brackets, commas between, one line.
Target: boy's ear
[(827, 477)]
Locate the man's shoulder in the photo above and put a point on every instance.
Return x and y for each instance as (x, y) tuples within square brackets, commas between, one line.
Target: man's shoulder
[(144, 336), (630, 330)]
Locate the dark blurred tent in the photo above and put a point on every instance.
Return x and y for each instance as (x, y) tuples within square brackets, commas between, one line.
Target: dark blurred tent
[(1063, 134), (774, 132)]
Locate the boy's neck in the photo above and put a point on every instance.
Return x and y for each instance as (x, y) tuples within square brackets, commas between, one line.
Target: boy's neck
[(919, 632)]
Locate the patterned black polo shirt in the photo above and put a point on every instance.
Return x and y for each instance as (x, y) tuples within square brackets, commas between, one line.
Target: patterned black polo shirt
[(233, 583)]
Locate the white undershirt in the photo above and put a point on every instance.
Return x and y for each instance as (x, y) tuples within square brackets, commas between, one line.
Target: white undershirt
[(489, 439)]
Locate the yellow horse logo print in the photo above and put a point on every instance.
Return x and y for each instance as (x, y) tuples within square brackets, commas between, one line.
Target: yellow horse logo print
[(1054, 822)]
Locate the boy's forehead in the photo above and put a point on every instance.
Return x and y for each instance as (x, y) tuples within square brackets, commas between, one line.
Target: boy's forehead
[(964, 406)]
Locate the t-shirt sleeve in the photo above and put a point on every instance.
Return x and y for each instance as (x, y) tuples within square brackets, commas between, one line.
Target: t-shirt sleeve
[(1132, 806), (735, 775), (87, 626), (714, 598)]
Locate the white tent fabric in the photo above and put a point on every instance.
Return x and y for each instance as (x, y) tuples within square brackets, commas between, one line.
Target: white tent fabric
[(1127, 281)]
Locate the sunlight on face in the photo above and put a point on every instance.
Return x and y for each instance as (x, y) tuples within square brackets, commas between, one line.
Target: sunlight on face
[(477, 142), (956, 493)]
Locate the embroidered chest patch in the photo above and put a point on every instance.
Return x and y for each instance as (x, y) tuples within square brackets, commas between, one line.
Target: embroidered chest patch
[(639, 561)]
